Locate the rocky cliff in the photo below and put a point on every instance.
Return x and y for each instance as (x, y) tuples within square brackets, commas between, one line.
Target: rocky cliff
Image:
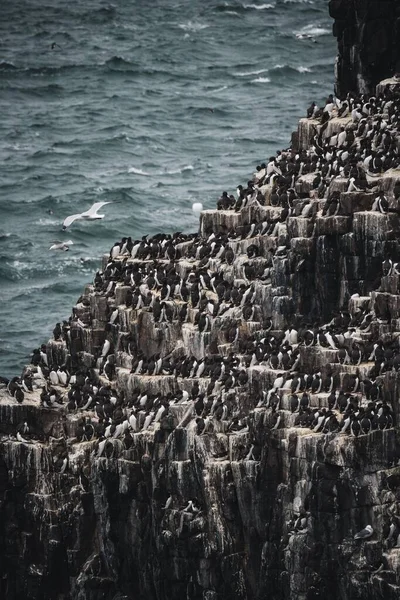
[(218, 417), (368, 34)]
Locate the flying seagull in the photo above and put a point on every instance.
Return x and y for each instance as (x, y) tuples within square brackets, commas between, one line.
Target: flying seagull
[(57, 245), (87, 215)]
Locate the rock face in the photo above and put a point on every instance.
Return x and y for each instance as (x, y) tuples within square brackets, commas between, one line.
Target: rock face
[(218, 418), (368, 34)]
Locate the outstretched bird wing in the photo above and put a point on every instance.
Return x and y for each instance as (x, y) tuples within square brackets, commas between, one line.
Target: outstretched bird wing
[(71, 219), (60, 245), (93, 209)]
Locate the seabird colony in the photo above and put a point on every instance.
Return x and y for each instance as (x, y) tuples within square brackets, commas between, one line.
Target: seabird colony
[(222, 364)]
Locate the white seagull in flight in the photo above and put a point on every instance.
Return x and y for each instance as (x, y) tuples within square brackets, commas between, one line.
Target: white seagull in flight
[(57, 245), (90, 214)]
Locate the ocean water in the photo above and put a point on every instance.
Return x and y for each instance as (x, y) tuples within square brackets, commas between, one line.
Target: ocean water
[(152, 106)]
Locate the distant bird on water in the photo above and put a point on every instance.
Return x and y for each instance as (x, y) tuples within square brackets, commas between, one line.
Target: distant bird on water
[(88, 215)]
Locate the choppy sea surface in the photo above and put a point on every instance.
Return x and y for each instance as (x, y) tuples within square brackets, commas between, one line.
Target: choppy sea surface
[(149, 105)]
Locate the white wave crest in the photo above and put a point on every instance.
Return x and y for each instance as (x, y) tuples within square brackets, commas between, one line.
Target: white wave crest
[(261, 80), (220, 89), (300, 69), (46, 221), (18, 267), (181, 170), (159, 173), (137, 171), (192, 26), (259, 6), (249, 73)]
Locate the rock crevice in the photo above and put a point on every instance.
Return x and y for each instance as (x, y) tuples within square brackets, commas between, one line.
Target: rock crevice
[(368, 35)]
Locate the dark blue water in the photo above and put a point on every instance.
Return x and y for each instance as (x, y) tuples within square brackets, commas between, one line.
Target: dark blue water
[(152, 106)]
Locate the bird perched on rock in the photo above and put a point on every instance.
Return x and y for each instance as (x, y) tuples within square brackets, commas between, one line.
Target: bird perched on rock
[(365, 533)]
